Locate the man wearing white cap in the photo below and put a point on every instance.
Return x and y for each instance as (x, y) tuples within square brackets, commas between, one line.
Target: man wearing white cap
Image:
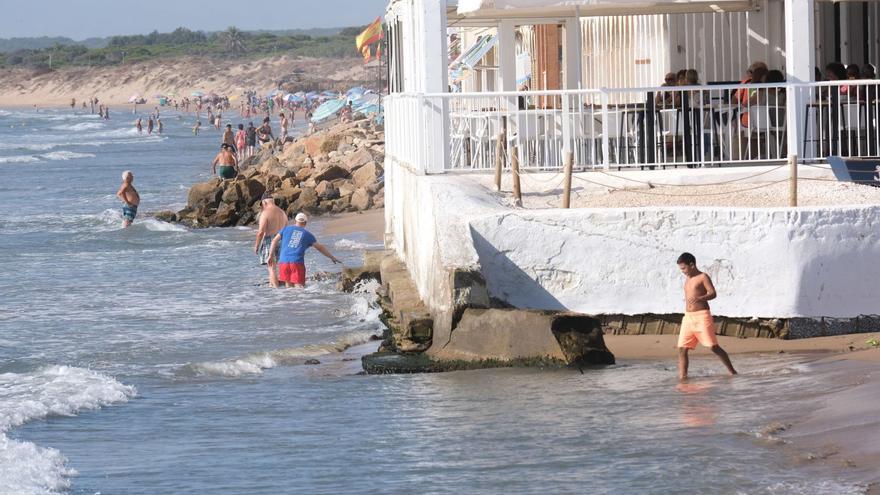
[(294, 241)]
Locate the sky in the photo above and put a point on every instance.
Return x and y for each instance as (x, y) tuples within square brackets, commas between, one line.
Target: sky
[(80, 19)]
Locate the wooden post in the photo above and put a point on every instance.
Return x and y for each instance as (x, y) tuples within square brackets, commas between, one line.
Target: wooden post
[(792, 181), (566, 193), (514, 168), (499, 153)]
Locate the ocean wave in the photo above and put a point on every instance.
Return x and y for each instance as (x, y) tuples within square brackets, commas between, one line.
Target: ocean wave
[(255, 363), (29, 146), (19, 159), (355, 245), (82, 126), (50, 391), (65, 155)]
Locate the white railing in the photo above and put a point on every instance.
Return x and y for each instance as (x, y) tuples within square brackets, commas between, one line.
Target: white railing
[(693, 126)]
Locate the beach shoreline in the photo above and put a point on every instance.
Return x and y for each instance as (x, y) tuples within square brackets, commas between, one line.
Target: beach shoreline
[(841, 433)]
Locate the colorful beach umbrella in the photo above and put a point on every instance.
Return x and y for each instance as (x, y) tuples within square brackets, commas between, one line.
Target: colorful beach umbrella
[(135, 97), (327, 110)]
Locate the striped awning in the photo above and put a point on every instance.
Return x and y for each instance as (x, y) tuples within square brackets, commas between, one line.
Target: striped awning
[(567, 8)]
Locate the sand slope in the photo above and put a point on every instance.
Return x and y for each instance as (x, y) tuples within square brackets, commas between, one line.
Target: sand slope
[(114, 85)]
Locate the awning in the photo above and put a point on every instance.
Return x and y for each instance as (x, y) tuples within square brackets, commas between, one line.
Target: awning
[(568, 8)]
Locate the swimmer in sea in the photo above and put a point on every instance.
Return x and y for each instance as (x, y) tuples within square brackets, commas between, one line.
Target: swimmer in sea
[(227, 162), (197, 127), (129, 195), (697, 324)]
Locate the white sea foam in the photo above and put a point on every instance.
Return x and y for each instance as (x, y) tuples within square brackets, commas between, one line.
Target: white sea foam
[(253, 364), (66, 155), (29, 146), (159, 226), (82, 126), (26, 468), (19, 159), (355, 245)]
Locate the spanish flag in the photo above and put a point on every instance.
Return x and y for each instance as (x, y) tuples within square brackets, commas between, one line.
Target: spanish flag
[(367, 53), (372, 34)]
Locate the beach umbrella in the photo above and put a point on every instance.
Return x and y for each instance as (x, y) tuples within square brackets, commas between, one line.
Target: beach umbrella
[(330, 94), (274, 92), (135, 97), (197, 93), (355, 91), (366, 99), (369, 109), (294, 98), (160, 97), (327, 110)]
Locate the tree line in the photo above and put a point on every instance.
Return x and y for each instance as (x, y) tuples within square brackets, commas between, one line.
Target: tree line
[(231, 43)]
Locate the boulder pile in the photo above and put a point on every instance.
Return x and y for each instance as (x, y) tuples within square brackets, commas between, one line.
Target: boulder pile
[(331, 171)]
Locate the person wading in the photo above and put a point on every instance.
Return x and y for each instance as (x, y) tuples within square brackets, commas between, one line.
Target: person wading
[(272, 220)]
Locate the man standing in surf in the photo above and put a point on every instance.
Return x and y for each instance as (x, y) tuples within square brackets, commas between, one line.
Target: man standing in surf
[(294, 241), (697, 324), (272, 220), (129, 195)]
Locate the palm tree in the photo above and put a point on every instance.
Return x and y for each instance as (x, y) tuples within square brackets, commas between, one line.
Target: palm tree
[(233, 38)]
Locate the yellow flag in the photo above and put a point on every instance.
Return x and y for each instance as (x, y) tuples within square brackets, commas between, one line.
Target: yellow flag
[(372, 34)]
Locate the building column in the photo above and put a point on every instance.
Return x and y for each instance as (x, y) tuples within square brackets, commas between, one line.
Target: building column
[(434, 78), (572, 53), (800, 62), (507, 56)]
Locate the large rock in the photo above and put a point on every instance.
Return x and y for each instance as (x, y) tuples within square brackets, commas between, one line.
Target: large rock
[(326, 190), (226, 216), (205, 194), (367, 175), (331, 172), (306, 202), (358, 159), (361, 199)]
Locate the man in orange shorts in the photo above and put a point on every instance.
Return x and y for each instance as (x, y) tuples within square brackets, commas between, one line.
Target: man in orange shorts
[(697, 324)]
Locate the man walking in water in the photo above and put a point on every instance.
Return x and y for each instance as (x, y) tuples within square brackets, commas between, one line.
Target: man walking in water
[(294, 241), (697, 324), (272, 220), (227, 162), (129, 195)]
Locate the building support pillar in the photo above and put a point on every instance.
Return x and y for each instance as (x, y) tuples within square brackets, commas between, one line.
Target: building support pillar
[(800, 62)]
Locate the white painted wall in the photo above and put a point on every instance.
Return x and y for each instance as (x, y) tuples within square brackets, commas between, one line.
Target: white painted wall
[(805, 262)]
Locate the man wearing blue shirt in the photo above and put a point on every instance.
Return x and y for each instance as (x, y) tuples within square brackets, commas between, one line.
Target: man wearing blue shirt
[(294, 241)]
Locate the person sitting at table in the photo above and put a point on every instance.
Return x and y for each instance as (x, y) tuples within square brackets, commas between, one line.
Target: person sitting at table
[(754, 74), (697, 97), (666, 99), (853, 72)]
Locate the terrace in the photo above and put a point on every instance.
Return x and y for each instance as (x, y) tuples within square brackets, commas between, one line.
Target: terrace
[(482, 86)]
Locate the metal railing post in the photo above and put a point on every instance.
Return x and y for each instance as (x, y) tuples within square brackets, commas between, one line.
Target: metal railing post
[(606, 140)]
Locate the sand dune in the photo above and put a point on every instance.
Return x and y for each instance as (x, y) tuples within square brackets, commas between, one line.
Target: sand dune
[(114, 85)]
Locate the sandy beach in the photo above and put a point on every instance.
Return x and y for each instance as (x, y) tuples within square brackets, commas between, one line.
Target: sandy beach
[(371, 223), (115, 85)]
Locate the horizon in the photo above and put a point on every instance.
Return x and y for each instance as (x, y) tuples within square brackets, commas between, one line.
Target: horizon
[(88, 18)]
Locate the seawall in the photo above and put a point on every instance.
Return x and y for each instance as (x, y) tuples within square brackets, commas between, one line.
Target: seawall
[(464, 248)]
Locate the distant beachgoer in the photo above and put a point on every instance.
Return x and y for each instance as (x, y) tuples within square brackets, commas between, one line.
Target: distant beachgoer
[(251, 133), (227, 162), (218, 121), (129, 195), (73, 103), (197, 127), (294, 241), (697, 324), (272, 220), (139, 125), (92, 106), (241, 142), (106, 113), (150, 124), (284, 124), (264, 133), (159, 125), (83, 105), (229, 138)]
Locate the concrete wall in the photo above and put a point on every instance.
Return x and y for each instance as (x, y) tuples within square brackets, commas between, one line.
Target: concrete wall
[(805, 262)]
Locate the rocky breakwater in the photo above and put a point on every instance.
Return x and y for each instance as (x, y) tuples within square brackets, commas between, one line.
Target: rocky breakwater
[(335, 170)]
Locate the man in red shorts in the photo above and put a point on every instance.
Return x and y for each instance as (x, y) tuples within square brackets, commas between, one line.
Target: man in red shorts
[(294, 241), (697, 324)]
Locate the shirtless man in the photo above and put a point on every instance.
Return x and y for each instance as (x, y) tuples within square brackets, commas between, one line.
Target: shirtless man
[(272, 220), (129, 195), (697, 324), (227, 162)]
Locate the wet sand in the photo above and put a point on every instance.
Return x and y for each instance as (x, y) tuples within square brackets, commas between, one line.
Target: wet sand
[(843, 431), (371, 223)]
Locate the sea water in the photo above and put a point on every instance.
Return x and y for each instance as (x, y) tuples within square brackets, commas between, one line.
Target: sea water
[(155, 359)]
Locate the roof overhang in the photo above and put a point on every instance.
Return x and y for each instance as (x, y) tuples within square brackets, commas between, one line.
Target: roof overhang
[(550, 9)]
